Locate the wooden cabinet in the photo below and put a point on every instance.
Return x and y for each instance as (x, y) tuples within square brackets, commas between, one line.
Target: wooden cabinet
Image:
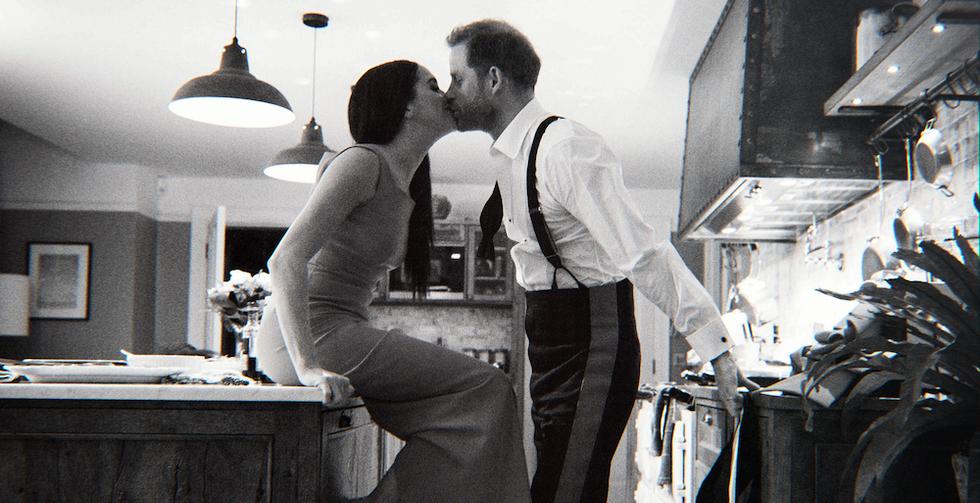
[(456, 273), (711, 431), (797, 466), (490, 280), (800, 466), (58, 450), (353, 452)]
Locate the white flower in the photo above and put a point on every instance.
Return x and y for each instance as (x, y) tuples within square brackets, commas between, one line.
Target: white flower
[(263, 280), (238, 277)]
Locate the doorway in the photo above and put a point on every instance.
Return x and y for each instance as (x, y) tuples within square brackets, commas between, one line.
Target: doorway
[(247, 249)]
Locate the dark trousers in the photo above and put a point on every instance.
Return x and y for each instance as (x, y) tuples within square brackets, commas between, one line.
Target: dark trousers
[(585, 368)]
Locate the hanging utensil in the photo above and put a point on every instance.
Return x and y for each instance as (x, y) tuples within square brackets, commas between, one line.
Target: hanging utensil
[(903, 239), (933, 162), (870, 263)]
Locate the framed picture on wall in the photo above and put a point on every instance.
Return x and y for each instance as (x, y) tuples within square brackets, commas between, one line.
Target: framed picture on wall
[(59, 278)]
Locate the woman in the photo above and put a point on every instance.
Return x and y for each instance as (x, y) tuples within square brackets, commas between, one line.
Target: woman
[(457, 415)]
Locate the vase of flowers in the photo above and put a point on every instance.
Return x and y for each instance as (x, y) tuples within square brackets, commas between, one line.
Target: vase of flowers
[(240, 301)]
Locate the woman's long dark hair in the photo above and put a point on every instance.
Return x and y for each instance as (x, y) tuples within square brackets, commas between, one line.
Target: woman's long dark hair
[(377, 106)]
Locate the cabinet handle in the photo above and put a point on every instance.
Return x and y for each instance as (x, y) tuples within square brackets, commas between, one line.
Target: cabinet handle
[(345, 421), (708, 420)]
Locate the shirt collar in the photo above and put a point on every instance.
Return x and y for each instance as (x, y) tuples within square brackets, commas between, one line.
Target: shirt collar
[(512, 138)]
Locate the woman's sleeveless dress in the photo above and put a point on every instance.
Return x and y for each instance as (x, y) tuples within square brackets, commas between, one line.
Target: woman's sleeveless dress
[(457, 415)]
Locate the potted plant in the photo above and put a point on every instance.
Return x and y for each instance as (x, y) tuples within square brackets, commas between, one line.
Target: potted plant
[(937, 366)]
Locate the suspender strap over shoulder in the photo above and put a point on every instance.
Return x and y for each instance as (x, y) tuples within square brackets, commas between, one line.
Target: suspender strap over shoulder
[(541, 232)]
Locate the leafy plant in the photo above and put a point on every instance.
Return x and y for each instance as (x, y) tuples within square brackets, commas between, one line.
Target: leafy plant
[(937, 365)]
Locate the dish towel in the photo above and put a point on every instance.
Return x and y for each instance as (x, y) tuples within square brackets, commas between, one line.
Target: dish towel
[(745, 450)]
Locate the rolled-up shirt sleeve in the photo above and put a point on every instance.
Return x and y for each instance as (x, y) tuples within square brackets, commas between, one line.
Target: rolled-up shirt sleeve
[(594, 193)]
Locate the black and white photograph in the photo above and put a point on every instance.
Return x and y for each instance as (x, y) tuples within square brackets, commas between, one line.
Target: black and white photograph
[(508, 251)]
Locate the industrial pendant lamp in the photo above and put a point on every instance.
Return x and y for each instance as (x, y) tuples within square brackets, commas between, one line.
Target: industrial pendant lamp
[(299, 163), (232, 96)]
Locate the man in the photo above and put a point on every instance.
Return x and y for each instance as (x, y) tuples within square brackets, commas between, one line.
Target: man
[(582, 341)]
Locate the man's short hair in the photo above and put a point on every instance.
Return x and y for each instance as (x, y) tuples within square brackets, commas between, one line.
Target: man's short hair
[(491, 42)]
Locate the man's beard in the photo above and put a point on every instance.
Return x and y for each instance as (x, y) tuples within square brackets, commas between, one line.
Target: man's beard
[(480, 117)]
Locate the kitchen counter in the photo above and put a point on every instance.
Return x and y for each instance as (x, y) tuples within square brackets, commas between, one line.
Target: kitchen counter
[(181, 392), (179, 442), (793, 465)]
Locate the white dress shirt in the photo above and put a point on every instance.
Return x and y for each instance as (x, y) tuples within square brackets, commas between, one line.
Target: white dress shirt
[(597, 228)]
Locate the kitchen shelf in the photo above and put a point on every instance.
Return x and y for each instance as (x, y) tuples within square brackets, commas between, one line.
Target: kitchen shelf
[(916, 58), (458, 276)]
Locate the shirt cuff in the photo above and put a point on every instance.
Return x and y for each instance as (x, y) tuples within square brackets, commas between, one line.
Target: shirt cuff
[(710, 340)]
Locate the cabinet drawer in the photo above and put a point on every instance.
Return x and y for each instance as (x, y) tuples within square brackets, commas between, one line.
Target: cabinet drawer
[(711, 428), (335, 421), (711, 433), (352, 453)]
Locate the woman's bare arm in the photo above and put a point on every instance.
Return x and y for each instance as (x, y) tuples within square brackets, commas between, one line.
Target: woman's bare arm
[(350, 181)]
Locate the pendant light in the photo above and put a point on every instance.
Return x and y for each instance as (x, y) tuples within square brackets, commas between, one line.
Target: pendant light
[(299, 163), (231, 96)]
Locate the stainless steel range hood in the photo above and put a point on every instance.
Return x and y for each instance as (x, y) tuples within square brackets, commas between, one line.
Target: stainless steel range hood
[(761, 160)]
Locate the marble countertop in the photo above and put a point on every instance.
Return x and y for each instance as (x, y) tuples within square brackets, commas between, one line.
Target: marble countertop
[(181, 392)]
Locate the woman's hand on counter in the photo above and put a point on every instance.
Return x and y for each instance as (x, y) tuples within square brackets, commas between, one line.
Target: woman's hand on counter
[(336, 388)]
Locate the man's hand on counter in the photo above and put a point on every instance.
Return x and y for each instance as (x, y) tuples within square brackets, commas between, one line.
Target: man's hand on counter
[(728, 377)]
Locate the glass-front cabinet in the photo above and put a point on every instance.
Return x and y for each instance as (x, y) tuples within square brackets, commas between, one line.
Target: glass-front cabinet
[(456, 273)]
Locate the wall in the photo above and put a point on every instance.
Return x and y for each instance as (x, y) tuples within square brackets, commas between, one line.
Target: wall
[(795, 274), (172, 271), (121, 290), (49, 195), (457, 327)]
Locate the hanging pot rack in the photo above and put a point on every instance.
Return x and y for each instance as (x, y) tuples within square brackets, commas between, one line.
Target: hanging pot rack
[(959, 85)]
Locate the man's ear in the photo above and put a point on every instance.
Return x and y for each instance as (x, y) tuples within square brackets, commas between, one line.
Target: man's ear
[(496, 79)]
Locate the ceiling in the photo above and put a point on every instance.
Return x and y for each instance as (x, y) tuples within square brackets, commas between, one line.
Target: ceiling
[(95, 77)]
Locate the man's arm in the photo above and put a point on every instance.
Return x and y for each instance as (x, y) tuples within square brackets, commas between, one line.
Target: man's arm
[(595, 194)]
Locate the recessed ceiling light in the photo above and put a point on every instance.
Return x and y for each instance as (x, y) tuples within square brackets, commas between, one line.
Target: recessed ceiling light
[(939, 28), (857, 101), (893, 69)]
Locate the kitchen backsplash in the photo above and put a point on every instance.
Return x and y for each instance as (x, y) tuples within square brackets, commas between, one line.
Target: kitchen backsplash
[(460, 328), (830, 257)]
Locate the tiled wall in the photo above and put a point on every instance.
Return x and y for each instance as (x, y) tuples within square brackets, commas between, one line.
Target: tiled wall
[(794, 274), (456, 327)]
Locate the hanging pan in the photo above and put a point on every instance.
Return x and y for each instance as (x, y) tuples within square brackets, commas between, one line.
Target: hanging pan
[(933, 162)]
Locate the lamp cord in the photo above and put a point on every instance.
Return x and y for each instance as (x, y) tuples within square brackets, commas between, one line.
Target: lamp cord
[(313, 98)]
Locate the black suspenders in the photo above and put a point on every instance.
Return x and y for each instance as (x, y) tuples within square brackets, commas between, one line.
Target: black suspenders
[(541, 232)]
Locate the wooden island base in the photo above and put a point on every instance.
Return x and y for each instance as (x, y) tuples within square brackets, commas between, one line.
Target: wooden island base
[(182, 443)]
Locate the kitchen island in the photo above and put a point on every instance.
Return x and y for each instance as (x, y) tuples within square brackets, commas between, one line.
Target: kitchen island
[(186, 442)]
